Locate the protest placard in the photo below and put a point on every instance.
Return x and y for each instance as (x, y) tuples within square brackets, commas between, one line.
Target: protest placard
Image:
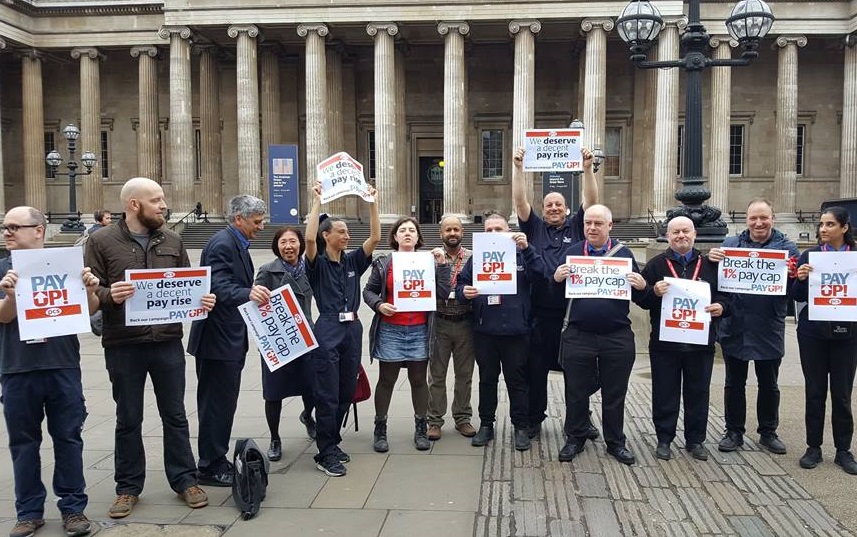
[(832, 292), (341, 175), (495, 264), (50, 295), (598, 277), (414, 281), (279, 328), (163, 296), (753, 272), (553, 150), (683, 315)]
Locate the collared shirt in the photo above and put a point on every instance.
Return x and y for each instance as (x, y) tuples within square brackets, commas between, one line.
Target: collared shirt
[(451, 306), (591, 250), (241, 238), (336, 285), (684, 259)]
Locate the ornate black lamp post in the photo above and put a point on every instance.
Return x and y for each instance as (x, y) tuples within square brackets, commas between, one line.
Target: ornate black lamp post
[(639, 26), (54, 159)]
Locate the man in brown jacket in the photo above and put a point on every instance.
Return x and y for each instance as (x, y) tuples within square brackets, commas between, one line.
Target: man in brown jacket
[(140, 241)]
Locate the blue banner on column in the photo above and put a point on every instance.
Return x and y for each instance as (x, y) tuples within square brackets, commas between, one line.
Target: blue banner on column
[(284, 187)]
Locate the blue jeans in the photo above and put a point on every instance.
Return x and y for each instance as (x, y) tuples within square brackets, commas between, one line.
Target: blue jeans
[(27, 399)]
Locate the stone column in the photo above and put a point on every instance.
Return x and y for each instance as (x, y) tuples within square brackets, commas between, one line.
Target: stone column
[(848, 157), (404, 187), (595, 86), (721, 107), (335, 122), (523, 94), (642, 186), (181, 120), (249, 165), (386, 146), (148, 137), (211, 167), (316, 100), (269, 105), (33, 130), (454, 120), (785, 174), (2, 178), (666, 121), (90, 125)]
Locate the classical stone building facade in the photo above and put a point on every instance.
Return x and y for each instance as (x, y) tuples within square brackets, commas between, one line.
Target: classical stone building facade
[(430, 95)]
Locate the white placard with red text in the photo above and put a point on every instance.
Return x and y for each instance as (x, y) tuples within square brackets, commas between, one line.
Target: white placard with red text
[(279, 328), (163, 296), (833, 286), (341, 175), (50, 295), (413, 281), (598, 277), (753, 271), (495, 264), (683, 315), (553, 150)]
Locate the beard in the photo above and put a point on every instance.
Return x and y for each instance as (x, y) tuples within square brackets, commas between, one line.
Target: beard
[(452, 241), (152, 222)]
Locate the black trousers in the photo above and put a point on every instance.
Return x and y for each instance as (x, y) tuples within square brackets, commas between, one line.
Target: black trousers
[(128, 366), (735, 394), (676, 377), (833, 360), (510, 353), (590, 358), (218, 387)]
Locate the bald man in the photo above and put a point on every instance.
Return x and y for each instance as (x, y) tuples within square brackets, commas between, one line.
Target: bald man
[(140, 241), (681, 370)]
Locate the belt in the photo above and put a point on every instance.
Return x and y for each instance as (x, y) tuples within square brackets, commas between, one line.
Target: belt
[(454, 318)]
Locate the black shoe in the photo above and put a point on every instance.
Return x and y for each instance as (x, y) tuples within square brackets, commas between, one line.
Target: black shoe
[(308, 421), (622, 454), (522, 439), (812, 458), (845, 459), (379, 440), (484, 435), (772, 443), (330, 466), (592, 432), (731, 441), (571, 449), (275, 451), (421, 441), (663, 451), (340, 455), (534, 430), (698, 452), (221, 479)]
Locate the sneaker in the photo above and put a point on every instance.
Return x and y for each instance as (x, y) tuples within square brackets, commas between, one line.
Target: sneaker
[(76, 524), (772, 443), (26, 528), (434, 432), (194, 497), (466, 429), (811, 458), (340, 455), (845, 459), (331, 466), (731, 441), (308, 421), (123, 506)]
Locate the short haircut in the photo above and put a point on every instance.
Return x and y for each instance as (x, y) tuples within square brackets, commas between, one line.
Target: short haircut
[(245, 205), (760, 199), (494, 215), (100, 214), (394, 244), (282, 231), (37, 217)]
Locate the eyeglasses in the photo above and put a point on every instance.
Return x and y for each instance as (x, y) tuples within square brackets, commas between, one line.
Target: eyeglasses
[(13, 228)]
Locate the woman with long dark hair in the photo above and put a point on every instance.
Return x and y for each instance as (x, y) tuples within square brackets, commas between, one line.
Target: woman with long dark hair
[(401, 339), (828, 353), (293, 378)]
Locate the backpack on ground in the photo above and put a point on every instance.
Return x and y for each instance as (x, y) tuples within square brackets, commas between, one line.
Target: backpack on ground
[(362, 392), (250, 479)]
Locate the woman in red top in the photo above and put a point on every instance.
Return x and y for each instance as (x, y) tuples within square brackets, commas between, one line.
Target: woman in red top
[(401, 339)]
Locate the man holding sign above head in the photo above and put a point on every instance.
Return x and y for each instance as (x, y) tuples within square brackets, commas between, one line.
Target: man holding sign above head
[(402, 290), (132, 353), (334, 275), (496, 280), (550, 235), (597, 342), (754, 332), (220, 342), (41, 378), (681, 345)]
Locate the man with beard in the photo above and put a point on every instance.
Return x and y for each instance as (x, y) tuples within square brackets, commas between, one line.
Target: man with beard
[(219, 342), (550, 236), (139, 241), (454, 338)]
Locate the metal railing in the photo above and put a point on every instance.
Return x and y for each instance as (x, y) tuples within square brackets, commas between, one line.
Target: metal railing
[(198, 214)]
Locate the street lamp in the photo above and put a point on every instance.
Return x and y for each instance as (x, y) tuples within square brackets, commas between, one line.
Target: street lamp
[(639, 26), (54, 159)]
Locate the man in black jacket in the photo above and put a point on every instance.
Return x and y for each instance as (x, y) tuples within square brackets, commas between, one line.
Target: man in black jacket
[(680, 370)]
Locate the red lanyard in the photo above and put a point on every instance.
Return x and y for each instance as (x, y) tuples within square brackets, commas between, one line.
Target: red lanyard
[(457, 268), (586, 247), (695, 271)]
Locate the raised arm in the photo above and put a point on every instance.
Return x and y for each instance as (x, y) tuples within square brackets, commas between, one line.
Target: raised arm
[(519, 186), (311, 247), (590, 184), (374, 226)]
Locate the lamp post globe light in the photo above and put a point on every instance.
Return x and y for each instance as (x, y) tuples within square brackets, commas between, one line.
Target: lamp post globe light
[(71, 133), (639, 26)]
